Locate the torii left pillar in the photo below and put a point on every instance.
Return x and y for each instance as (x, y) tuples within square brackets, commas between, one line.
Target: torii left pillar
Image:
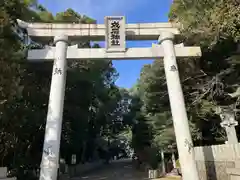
[(50, 156)]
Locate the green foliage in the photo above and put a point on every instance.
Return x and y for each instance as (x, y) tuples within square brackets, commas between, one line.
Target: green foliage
[(208, 82), (73, 17), (209, 21), (178, 163), (142, 133), (68, 16), (93, 107), (214, 25), (153, 89)]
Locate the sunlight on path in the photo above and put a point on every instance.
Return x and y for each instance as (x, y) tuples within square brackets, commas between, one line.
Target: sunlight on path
[(118, 171), (169, 178), (114, 171)]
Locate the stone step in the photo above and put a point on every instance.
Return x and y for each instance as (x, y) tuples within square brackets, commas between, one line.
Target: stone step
[(3, 172)]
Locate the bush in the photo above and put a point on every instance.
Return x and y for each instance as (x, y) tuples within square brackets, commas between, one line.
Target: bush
[(178, 164)]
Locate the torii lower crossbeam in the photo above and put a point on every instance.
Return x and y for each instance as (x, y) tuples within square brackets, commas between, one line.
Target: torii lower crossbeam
[(156, 52)]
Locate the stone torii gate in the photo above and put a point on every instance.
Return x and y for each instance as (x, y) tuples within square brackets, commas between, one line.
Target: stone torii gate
[(115, 32)]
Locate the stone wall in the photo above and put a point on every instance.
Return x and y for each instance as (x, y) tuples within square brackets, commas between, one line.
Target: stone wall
[(213, 162)]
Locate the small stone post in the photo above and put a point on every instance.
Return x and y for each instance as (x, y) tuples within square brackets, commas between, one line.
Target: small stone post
[(163, 162), (228, 122), (174, 160)]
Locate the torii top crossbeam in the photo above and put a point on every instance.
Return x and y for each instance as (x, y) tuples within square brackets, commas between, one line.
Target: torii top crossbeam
[(140, 31), (43, 32)]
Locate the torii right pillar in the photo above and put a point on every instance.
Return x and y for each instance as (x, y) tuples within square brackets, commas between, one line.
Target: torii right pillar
[(178, 109)]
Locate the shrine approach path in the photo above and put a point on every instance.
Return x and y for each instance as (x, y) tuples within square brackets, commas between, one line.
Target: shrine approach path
[(117, 170)]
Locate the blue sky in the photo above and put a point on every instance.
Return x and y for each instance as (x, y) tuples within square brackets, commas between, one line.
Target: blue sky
[(135, 11)]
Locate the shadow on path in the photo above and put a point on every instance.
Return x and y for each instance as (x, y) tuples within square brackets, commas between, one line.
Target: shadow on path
[(117, 170)]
